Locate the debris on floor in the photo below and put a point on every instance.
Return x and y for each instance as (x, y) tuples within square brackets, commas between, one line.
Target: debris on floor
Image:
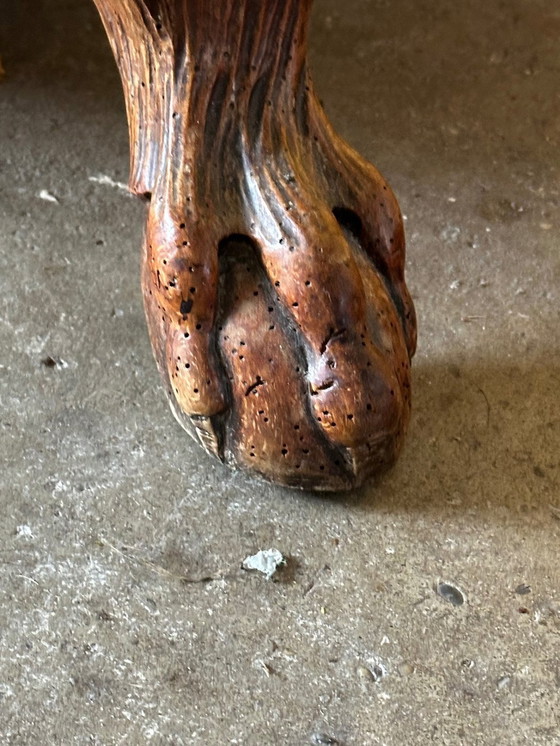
[(47, 196), (266, 561), (24, 531), (450, 593), (54, 362), (108, 181), (503, 682)]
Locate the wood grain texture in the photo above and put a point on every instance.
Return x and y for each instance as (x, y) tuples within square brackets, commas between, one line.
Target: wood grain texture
[(273, 267)]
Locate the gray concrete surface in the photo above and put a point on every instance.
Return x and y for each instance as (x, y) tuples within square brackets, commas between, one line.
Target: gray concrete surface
[(125, 616)]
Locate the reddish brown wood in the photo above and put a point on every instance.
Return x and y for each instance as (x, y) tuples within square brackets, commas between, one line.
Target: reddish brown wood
[(274, 257)]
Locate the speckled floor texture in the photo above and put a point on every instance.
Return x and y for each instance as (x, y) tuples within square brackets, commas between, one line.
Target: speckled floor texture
[(423, 609)]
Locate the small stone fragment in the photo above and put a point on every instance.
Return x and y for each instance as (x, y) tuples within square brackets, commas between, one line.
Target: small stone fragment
[(24, 531), (47, 196), (523, 589), (266, 561), (503, 682)]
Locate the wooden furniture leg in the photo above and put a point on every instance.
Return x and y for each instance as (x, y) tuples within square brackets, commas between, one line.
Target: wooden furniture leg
[(274, 254)]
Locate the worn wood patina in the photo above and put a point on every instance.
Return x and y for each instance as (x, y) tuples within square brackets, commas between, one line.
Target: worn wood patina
[(273, 266)]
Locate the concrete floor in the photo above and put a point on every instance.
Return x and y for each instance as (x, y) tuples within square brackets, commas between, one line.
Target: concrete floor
[(125, 616)]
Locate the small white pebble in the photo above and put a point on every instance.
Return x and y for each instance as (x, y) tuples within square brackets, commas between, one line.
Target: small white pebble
[(267, 561), (47, 196), (24, 531), (503, 681)]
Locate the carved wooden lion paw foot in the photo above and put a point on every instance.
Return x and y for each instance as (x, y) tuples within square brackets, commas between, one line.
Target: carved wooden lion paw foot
[(273, 270)]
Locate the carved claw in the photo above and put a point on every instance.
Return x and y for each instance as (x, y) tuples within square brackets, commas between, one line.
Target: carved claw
[(273, 270)]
